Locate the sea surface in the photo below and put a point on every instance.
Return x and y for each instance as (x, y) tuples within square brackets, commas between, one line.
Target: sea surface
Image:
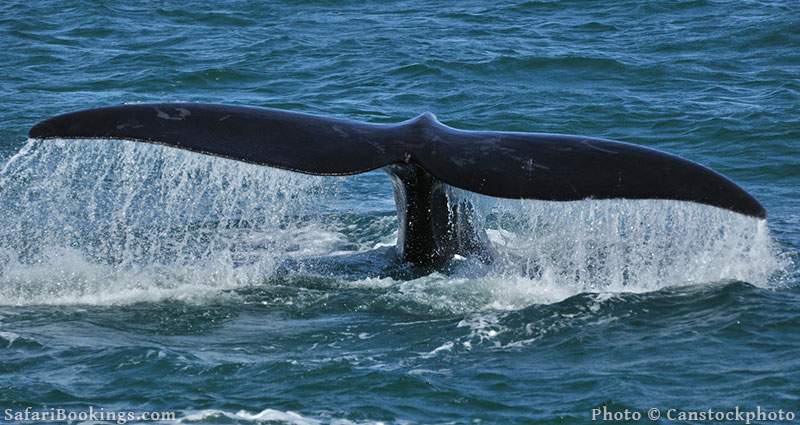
[(141, 278)]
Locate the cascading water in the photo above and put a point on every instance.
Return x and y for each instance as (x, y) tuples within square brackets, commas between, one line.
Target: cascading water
[(91, 220), (118, 222)]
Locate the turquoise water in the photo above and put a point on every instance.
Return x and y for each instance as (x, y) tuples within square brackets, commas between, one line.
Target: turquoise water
[(140, 278)]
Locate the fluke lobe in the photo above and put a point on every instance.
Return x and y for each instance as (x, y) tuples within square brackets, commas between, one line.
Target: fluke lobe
[(423, 157)]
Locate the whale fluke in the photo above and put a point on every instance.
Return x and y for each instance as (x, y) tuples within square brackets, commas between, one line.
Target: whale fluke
[(422, 154)]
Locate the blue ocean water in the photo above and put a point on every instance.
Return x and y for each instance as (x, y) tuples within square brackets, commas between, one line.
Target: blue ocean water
[(136, 277)]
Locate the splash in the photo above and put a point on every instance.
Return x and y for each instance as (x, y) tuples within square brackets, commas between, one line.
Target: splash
[(546, 252), (630, 245), (105, 222), (114, 222)]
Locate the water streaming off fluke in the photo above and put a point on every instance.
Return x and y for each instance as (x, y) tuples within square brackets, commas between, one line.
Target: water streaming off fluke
[(98, 222)]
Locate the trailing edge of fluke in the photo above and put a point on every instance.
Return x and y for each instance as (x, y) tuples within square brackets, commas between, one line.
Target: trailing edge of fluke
[(420, 154)]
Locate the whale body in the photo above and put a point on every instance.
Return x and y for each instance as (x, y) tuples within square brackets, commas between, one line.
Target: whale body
[(424, 158)]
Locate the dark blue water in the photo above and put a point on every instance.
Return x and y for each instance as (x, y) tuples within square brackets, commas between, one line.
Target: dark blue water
[(138, 278)]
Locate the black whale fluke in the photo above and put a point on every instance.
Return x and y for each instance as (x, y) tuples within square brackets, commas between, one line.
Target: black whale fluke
[(423, 156)]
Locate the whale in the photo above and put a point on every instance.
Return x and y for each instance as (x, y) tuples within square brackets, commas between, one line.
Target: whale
[(425, 159)]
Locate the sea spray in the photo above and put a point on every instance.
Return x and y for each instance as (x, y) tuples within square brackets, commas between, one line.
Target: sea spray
[(93, 219), (106, 222), (545, 252), (630, 245)]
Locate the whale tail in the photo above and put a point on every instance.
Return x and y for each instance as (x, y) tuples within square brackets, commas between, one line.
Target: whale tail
[(423, 157)]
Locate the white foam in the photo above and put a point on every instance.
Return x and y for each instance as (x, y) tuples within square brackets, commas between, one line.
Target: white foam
[(65, 277), (266, 415), (447, 346), (270, 416), (10, 337)]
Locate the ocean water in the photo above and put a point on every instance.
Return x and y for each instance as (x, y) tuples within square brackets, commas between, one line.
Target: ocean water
[(141, 278)]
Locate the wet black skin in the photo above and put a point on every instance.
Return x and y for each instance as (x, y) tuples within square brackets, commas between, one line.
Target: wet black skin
[(423, 157), (434, 225)]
